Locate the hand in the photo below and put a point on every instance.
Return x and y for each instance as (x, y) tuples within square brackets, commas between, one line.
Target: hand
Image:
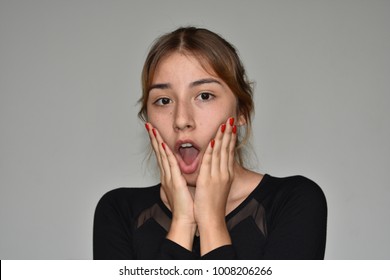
[(174, 191), (213, 187)]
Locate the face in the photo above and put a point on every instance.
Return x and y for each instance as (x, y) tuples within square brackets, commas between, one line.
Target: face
[(187, 105)]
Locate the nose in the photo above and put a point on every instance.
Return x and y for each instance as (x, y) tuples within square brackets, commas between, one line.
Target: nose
[(183, 116)]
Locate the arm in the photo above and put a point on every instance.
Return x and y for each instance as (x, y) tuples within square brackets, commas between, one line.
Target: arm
[(213, 187), (112, 237), (175, 193), (298, 223)]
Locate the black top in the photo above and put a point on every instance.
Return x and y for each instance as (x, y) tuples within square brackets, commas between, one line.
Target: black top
[(283, 218)]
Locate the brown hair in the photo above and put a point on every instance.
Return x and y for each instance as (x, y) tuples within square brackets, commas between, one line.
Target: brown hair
[(212, 51)]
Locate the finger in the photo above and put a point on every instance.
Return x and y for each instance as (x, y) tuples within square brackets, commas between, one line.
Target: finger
[(221, 150), (232, 149), (216, 155), (163, 155), (173, 166), (168, 161), (154, 143), (205, 168), (225, 147)]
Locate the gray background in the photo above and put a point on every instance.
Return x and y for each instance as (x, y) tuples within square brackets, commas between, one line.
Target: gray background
[(70, 80)]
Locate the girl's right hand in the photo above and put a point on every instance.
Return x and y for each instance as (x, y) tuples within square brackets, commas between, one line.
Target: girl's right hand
[(174, 192)]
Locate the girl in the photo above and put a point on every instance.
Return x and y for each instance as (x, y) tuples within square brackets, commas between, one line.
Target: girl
[(197, 106)]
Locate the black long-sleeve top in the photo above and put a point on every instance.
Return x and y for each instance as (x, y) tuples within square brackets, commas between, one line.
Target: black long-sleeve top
[(283, 218)]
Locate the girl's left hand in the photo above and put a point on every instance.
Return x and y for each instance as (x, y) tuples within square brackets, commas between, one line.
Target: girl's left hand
[(213, 186)]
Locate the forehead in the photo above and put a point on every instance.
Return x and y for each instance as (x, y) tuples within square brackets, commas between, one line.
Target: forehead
[(179, 63)]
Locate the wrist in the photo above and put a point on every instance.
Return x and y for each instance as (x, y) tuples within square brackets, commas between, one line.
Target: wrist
[(211, 221), (212, 225), (182, 233), (213, 236)]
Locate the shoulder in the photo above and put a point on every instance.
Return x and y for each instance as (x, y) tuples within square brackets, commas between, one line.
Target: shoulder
[(292, 184), (129, 199), (124, 194), (295, 190), (296, 218)]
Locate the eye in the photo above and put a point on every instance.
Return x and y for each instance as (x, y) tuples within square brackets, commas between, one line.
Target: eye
[(163, 101), (205, 96)]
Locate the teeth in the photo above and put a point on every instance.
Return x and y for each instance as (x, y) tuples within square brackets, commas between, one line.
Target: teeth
[(186, 145)]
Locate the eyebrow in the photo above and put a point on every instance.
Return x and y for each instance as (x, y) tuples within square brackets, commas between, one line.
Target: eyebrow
[(204, 81), (160, 86), (192, 84)]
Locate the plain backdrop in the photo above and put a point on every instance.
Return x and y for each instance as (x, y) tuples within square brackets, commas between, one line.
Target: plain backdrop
[(70, 81)]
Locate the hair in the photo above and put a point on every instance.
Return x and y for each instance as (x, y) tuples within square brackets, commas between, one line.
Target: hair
[(212, 51)]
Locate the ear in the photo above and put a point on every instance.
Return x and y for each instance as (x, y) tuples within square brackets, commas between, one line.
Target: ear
[(241, 120)]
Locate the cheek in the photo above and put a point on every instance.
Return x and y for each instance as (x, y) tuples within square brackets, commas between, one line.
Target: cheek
[(162, 122), (218, 115), (209, 125), (157, 117)]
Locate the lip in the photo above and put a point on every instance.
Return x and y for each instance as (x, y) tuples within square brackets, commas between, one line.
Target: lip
[(186, 169), (181, 142)]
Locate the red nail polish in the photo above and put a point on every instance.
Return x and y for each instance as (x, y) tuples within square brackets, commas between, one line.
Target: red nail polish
[(147, 126), (154, 132), (212, 143), (231, 121), (223, 127), (234, 129), (163, 145)]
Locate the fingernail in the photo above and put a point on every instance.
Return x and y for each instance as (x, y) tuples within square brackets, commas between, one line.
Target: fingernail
[(223, 127), (212, 143), (163, 145), (154, 132), (147, 126), (231, 121), (234, 129)]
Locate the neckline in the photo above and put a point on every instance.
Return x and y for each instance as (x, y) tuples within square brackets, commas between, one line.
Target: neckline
[(247, 199), (231, 213)]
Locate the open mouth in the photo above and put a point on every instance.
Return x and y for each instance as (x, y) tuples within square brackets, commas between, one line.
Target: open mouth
[(188, 153)]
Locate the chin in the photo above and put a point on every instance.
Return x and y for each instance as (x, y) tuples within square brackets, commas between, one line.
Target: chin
[(191, 179)]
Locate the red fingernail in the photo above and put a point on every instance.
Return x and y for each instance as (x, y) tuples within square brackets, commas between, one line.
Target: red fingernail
[(223, 127), (212, 143), (231, 121), (163, 145), (147, 126), (154, 132), (234, 129)]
